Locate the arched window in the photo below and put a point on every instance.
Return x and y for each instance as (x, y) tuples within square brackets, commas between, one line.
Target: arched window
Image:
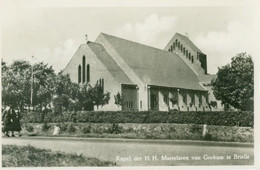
[(84, 68), (184, 50), (186, 53), (181, 48), (79, 74), (171, 48), (174, 46), (189, 56), (179, 45), (192, 59), (88, 73), (176, 42)]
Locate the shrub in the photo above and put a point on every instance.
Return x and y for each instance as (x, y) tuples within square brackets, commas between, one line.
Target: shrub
[(115, 128), (71, 128), (63, 126), (45, 127), (86, 129), (208, 137), (29, 128), (196, 128), (223, 118)]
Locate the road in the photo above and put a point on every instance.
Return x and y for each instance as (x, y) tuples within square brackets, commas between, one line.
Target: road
[(129, 152)]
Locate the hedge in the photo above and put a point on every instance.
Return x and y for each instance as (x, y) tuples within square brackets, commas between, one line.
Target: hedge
[(235, 118)]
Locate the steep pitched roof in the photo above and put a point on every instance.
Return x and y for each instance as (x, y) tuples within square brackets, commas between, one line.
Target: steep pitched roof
[(189, 42), (206, 79), (109, 63), (155, 66)]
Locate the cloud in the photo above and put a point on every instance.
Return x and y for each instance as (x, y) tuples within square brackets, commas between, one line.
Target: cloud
[(149, 31), (220, 47)]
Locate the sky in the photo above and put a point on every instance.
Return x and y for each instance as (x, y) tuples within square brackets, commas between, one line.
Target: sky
[(52, 31)]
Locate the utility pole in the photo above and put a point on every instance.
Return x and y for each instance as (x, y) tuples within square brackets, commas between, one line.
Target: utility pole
[(32, 85)]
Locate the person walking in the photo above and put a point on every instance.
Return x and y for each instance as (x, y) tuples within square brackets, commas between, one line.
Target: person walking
[(15, 125), (6, 118)]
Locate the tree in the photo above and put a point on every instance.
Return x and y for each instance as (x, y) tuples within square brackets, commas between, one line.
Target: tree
[(43, 84), (234, 84), (67, 93), (16, 83), (98, 97), (118, 99)]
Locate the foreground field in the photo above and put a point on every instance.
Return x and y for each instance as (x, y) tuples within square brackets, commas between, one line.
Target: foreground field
[(28, 156)]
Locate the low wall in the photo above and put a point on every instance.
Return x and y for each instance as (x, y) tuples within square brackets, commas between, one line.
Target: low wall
[(143, 131)]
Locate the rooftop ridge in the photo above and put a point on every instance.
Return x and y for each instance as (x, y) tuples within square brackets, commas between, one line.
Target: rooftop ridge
[(136, 42)]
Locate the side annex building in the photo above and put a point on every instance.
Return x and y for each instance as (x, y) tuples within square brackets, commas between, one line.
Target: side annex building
[(147, 78)]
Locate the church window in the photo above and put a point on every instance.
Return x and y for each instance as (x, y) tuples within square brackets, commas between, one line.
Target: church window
[(192, 59), (179, 45), (184, 50), (88, 73), (171, 48), (79, 74), (174, 46), (187, 53), (181, 48), (176, 42), (189, 56), (84, 68)]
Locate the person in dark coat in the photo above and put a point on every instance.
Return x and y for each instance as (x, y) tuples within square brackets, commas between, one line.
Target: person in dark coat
[(15, 118), (6, 118)]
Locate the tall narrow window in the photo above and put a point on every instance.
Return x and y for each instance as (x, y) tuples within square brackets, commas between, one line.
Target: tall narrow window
[(179, 45), (181, 48), (174, 46), (184, 50), (84, 68), (189, 56), (186, 53), (192, 59), (88, 73), (171, 48), (79, 74)]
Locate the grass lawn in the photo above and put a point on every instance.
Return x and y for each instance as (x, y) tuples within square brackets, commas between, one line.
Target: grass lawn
[(28, 156)]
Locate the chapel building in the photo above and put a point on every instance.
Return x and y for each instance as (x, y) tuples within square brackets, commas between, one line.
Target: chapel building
[(147, 78)]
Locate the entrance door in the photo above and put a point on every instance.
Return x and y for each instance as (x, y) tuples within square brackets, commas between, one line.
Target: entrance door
[(129, 97)]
